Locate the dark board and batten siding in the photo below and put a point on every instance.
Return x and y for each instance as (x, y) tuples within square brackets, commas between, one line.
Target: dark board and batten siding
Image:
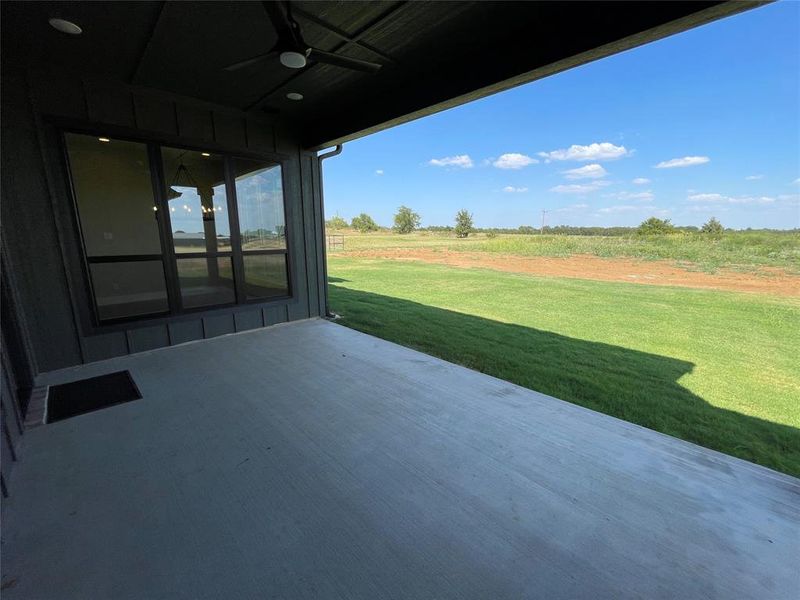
[(38, 218)]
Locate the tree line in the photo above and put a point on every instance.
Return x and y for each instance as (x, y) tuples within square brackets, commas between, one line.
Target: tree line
[(407, 221)]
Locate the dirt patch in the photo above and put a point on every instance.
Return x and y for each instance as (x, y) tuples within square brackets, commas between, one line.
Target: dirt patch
[(766, 281)]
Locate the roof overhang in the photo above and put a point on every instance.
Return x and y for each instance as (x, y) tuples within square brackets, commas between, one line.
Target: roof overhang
[(435, 55)]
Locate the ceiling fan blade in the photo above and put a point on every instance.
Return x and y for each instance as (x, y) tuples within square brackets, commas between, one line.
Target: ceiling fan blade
[(343, 61), (284, 26), (250, 61)]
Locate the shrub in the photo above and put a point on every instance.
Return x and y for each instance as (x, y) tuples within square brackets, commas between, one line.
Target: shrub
[(463, 223), (712, 227), (655, 226), (491, 234), (406, 220), (336, 222), (363, 223)]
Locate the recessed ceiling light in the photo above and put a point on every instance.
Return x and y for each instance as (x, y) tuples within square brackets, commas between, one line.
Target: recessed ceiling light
[(104, 140), (294, 96), (205, 154), (65, 26)]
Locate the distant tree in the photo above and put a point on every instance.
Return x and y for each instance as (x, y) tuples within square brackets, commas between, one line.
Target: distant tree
[(712, 227), (336, 222), (406, 220), (463, 223), (526, 230), (655, 226), (363, 223)]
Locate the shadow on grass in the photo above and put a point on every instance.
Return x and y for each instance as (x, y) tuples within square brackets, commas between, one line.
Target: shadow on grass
[(636, 386)]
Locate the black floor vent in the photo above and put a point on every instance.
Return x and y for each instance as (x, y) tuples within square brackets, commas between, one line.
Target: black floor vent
[(87, 395)]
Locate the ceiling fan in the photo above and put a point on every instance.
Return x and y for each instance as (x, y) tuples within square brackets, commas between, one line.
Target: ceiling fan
[(292, 51)]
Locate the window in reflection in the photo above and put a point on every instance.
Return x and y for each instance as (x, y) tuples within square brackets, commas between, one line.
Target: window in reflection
[(129, 289), (265, 276), (206, 281), (114, 194), (259, 199), (197, 203)]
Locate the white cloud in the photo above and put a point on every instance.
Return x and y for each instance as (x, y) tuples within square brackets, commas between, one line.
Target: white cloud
[(514, 160), (593, 171), (509, 189), (619, 209), (462, 161), (706, 198), (580, 188), (721, 199), (645, 196), (708, 209), (796, 181), (753, 177), (571, 208), (379, 172), (631, 208), (686, 161), (641, 181), (791, 198), (596, 151), (752, 200)]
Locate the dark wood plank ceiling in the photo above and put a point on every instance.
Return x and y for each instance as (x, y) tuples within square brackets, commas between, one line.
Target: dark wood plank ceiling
[(434, 54)]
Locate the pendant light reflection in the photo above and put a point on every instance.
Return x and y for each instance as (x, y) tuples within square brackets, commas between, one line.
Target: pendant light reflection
[(182, 178)]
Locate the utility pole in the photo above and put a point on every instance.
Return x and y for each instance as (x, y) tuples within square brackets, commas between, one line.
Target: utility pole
[(544, 212)]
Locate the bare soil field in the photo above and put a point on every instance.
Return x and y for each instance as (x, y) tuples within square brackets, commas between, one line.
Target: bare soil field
[(768, 280)]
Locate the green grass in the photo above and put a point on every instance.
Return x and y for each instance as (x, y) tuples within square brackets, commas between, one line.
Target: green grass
[(716, 368), (744, 251)]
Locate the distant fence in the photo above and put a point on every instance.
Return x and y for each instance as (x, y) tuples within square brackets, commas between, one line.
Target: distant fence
[(335, 241)]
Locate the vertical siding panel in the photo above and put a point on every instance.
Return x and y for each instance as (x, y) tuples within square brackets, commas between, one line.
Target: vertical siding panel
[(319, 237), (218, 325), (108, 103), (229, 130), (260, 137), (61, 94), (181, 332), (32, 195), (106, 345), (155, 114), (294, 190), (195, 123), (309, 233), (148, 338), (276, 314), (245, 320)]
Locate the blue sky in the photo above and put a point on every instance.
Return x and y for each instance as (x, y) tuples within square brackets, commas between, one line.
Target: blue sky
[(699, 124)]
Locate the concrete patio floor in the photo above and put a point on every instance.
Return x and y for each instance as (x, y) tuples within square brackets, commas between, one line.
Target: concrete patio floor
[(312, 461)]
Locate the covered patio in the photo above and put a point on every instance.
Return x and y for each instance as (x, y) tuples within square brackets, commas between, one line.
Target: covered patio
[(162, 214), (308, 460)]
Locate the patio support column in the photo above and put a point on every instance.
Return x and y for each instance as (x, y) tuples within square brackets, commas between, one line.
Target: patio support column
[(210, 230)]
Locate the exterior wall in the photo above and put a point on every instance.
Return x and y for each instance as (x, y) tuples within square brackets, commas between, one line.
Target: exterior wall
[(40, 238)]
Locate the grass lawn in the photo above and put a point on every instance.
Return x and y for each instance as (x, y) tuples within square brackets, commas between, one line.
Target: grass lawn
[(716, 368)]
